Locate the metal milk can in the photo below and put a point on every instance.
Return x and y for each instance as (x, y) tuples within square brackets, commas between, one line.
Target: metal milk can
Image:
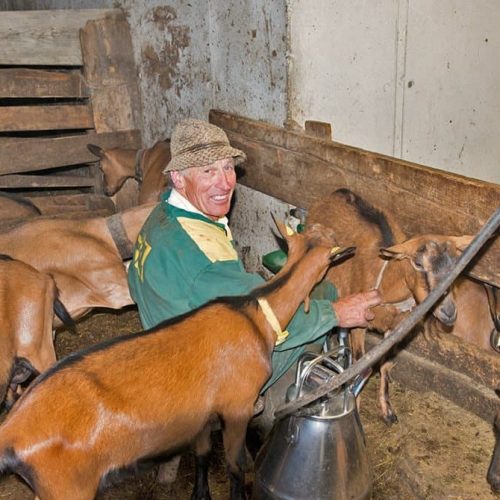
[(321, 456)]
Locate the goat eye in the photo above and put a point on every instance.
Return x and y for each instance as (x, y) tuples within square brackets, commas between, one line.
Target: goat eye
[(418, 265)]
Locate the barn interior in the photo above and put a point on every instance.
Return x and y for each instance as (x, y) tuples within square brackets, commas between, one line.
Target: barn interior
[(395, 100)]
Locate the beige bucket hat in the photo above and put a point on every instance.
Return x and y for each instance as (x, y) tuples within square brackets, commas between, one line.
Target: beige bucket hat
[(195, 143)]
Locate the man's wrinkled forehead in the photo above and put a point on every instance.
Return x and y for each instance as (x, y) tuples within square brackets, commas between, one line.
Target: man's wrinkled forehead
[(225, 162)]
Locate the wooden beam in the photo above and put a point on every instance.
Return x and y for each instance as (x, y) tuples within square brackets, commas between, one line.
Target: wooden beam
[(110, 71), (51, 117), (37, 83), (34, 154), (58, 204), (46, 181), (299, 169), (44, 37)]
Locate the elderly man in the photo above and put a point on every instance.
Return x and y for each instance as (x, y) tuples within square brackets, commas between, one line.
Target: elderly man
[(185, 257)]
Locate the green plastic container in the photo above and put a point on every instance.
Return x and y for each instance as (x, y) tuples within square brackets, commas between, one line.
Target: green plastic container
[(276, 259)]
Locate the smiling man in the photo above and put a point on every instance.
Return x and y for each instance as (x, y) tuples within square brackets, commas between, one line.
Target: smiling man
[(185, 256)]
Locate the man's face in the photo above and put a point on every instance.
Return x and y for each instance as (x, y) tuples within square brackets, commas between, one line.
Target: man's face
[(209, 188)]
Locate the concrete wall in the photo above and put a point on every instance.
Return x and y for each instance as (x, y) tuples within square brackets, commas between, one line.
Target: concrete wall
[(415, 79)]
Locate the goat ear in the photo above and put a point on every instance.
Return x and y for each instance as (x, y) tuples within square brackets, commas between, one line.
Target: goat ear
[(394, 252), (96, 150), (461, 242)]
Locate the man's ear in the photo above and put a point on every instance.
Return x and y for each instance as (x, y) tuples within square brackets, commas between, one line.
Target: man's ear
[(177, 179)]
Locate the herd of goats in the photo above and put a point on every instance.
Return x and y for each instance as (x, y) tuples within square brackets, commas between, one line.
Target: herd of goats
[(89, 414)]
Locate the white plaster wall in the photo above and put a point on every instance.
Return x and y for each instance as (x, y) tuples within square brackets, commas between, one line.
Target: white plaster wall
[(342, 63), (451, 115), (416, 79)]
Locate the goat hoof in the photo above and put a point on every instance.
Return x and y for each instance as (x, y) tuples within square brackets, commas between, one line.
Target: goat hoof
[(390, 419)]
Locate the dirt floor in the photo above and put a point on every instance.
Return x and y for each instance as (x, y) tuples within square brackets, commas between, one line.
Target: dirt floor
[(435, 451)]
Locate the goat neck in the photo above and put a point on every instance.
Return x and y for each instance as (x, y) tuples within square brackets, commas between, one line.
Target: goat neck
[(293, 285), (394, 282), (395, 287)]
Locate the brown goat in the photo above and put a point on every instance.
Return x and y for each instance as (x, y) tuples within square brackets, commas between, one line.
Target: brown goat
[(144, 165), (141, 395), (28, 300), (404, 272), (477, 317), (81, 255)]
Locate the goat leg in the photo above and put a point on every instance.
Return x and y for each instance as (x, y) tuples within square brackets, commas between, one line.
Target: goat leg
[(202, 449), (388, 413), (201, 490), (493, 475), (234, 443)]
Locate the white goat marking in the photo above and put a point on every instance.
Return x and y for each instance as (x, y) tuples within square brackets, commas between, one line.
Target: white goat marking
[(105, 420)]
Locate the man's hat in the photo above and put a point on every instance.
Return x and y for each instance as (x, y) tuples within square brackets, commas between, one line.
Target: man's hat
[(196, 143)]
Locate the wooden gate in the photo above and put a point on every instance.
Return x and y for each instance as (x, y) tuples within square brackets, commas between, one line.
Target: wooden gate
[(67, 78)]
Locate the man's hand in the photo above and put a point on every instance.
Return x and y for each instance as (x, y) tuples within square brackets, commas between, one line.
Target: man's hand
[(354, 310)]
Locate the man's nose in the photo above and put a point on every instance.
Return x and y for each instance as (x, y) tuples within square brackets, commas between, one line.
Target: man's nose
[(225, 180)]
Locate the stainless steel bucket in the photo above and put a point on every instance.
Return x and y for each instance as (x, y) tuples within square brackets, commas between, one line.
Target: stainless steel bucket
[(321, 456)]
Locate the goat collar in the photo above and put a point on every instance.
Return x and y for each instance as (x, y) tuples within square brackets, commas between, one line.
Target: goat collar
[(119, 235), (138, 168), (281, 335), (401, 306)]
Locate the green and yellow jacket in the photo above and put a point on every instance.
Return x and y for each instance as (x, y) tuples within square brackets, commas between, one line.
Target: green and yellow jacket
[(182, 260)]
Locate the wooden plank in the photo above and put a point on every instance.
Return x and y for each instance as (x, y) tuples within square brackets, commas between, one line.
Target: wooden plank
[(415, 372), (455, 353), (51, 117), (37, 83), (110, 71), (44, 37), (78, 203), (299, 169), (318, 129), (46, 181), (34, 154)]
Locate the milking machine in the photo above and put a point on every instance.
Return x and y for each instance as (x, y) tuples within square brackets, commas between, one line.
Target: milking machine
[(317, 449), (322, 455)]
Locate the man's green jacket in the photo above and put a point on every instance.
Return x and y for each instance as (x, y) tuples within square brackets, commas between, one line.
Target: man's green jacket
[(182, 260)]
